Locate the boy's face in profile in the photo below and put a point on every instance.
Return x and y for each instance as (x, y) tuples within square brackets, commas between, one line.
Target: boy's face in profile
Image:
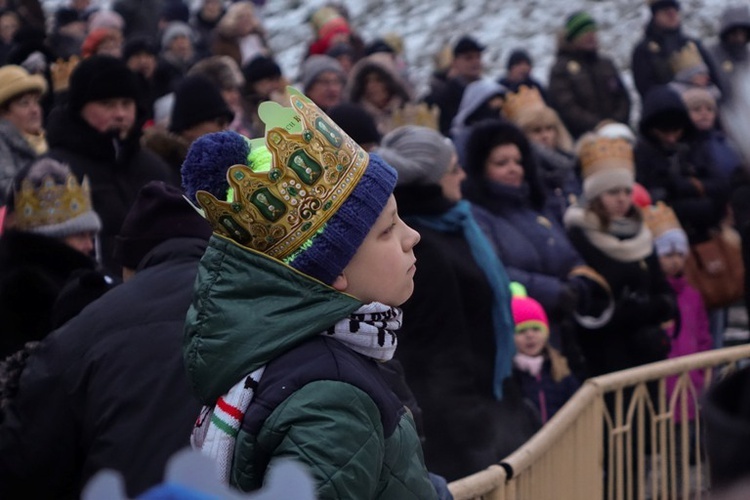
[(530, 341), (672, 264), (383, 268)]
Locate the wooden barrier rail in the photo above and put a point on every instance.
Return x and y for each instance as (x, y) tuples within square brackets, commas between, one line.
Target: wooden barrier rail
[(620, 437)]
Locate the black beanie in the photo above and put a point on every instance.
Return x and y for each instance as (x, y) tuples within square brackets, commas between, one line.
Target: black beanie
[(518, 56), (260, 67), (197, 100), (100, 77), (356, 122), (159, 213), (138, 45), (175, 10)]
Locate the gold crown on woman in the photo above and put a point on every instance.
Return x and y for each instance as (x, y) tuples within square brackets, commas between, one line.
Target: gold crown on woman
[(314, 166), (526, 98), (50, 203), (660, 218), (597, 153), (687, 57)]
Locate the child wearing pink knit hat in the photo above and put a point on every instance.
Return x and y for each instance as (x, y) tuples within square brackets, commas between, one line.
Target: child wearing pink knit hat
[(541, 370)]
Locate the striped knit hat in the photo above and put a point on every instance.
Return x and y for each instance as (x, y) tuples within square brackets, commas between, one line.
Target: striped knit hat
[(578, 24)]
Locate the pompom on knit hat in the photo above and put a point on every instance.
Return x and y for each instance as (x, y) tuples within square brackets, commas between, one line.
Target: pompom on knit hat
[(420, 155), (15, 81), (159, 213), (307, 198), (577, 24), (100, 77), (527, 312), (47, 199), (316, 65), (197, 100)]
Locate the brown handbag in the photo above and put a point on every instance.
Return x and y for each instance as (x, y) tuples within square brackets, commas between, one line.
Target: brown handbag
[(716, 269)]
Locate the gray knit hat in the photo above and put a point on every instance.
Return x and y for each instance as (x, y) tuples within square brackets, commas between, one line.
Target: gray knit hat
[(317, 64), (420, 155), (175, 29), (48, 200)]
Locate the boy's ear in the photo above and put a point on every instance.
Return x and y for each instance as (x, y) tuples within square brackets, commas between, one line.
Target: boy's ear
[(341, 283)]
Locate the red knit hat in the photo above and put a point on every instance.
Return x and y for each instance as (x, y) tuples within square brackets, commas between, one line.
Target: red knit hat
[(527, 312)]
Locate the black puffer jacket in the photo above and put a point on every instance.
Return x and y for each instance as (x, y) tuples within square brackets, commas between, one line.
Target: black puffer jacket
[(108, 389)]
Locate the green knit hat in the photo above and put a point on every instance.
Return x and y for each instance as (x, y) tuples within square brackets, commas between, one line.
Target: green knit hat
[(578, 23)]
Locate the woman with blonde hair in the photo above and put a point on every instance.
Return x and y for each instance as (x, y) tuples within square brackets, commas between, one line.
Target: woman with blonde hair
[(240, 34)]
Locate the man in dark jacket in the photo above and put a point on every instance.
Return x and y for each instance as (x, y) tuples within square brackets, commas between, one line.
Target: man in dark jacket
[(663, 37), (585, 86), (109, 389), (675, 168), (466, 68), (97, 134)]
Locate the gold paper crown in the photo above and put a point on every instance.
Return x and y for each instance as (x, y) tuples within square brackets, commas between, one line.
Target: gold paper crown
[(314, 167), (516, 103), (597, 153), (686, 58), (420, 114), (50, 203), (660, 218), (324, 15)]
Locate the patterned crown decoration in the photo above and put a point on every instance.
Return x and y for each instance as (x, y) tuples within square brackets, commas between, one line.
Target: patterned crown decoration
[(314, 167), (660, 218), (688, 57), (516, 103), (51, 203), (421, 115), (597, 153)]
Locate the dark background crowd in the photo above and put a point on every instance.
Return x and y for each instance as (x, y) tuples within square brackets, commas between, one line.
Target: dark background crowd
[(599, 205)]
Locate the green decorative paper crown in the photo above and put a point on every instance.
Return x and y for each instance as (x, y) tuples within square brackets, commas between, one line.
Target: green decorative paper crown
[(314, 168)]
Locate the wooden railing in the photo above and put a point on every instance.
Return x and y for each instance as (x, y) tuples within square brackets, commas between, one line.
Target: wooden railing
[(620, 437)]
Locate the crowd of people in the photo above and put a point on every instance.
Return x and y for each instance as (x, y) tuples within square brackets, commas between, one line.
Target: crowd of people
[(185, 235)]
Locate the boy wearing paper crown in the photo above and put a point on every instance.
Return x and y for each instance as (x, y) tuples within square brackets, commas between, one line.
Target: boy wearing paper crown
[(296, 304), (540, 369)]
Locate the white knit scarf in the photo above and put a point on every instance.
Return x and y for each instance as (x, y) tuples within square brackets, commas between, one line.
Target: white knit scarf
[(370, 331)]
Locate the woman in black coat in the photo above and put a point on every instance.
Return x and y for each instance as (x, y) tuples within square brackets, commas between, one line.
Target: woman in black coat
[(609, 233), (456, 344)]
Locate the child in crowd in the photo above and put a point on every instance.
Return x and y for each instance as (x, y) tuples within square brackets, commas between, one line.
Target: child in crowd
[(691, 333), (296, 306), (541, 370)]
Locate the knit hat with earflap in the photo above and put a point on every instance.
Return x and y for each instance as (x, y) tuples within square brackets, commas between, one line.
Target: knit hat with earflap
[(420, 155), (307, 198), (527, 312), (48, 200)]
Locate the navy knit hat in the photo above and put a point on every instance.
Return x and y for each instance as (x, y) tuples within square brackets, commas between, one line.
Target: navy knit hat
[(197, 100), (100, 77), (310, 208), (579, 23)]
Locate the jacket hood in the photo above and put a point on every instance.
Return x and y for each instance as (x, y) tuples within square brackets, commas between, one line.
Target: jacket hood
[(664, 106), (379, 62), (734, 17), (476, 94), (248, 309)]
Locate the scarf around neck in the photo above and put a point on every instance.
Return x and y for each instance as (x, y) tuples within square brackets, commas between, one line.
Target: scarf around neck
[(638, 246), (369, 331), (459, 218)]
